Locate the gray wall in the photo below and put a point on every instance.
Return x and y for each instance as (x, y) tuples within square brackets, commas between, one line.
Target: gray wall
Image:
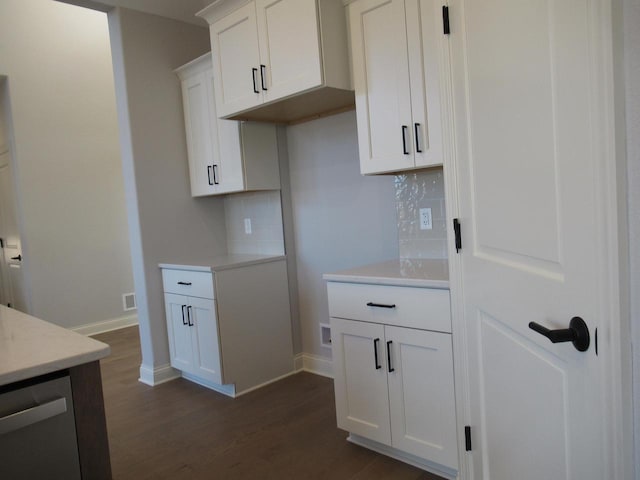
[(166, 223), (632, 81), (340, 218), (69, 178)]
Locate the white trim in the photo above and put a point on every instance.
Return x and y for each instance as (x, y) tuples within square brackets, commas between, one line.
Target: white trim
[(281, 377), (107, 325), (403, 457), (226, 389), (157, 375), (308, 362), (298, 362)]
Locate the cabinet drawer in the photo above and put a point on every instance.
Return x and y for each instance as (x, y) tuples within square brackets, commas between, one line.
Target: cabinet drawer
[(423, 308), (184, 282)]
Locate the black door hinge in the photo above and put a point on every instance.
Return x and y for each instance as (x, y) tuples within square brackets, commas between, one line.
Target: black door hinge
[(445, 20), (467, 438), (456, 229)]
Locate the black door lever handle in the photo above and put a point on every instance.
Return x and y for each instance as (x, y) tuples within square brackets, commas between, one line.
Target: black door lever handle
[(577, 333), (19, 258)]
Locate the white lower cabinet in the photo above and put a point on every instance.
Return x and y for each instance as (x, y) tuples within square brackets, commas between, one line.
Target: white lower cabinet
[(193, 336), (229, 329), (394, 385)]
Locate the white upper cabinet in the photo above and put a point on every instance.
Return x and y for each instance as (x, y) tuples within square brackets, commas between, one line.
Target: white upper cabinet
[(237, 61), (289, 47), (279, 60), (399, 59), (224, 155)]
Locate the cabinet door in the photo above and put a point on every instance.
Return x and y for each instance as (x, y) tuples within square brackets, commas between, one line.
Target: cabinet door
[(236, 61), (228, 174), (381, 82), (180, 349), (428, 60), (421, 395), (289, 47), (360, 379), (203, 324), (201, 133)]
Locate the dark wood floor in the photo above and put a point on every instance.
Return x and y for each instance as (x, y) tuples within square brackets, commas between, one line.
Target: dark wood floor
[(179, 430)]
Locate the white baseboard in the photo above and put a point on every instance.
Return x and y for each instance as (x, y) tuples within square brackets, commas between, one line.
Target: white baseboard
[(107, 325), (307, 362), (156, 376), (431, 467), (264, 384)]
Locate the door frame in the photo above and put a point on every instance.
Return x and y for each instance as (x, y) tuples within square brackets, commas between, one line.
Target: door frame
[(615, 339)]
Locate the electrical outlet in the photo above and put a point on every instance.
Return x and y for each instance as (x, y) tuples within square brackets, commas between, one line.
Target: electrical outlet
[(425, 219), (247, 226)]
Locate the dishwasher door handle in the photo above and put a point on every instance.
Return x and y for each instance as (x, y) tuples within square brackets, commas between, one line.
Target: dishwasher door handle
[(24, 418)]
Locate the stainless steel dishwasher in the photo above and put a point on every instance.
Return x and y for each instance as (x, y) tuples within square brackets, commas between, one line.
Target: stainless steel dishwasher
[(38, 431)]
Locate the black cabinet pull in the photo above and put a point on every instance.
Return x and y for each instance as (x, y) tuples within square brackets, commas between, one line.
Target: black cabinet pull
[(254, 72), (404, 139), (189, 313), (577, 333), (381, 305), (209, 170), (184, 283), (391, 369), (375, 353), (215, 174), (263, 73), (416, 131), (184, 322)]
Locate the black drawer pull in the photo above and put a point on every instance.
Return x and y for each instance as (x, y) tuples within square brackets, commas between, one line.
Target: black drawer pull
[(263, 74), (215, 174), (184, 322), (209, 169), (391, 369), (184, 283), (381, 305), (189, 310), (416, 129), (375, 354), (254, 72), (404, 140)]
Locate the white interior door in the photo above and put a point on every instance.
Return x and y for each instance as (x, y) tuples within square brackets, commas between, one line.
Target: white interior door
[(289, 47), (236, 61), (11, 279), (360, 379), (381, 82), (525, 94)]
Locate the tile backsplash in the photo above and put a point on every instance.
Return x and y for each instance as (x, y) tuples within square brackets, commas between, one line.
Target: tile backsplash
[(416, 190), (264, 211)]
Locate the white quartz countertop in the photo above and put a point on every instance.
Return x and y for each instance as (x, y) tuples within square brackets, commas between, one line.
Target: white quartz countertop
[(30, 347), (224, 262), (408, 272)]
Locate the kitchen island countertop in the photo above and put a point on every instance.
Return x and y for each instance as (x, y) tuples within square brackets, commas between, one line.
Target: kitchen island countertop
[(30, 347)]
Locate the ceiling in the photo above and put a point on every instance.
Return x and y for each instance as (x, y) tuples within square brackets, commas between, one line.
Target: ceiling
[(183, 10)]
